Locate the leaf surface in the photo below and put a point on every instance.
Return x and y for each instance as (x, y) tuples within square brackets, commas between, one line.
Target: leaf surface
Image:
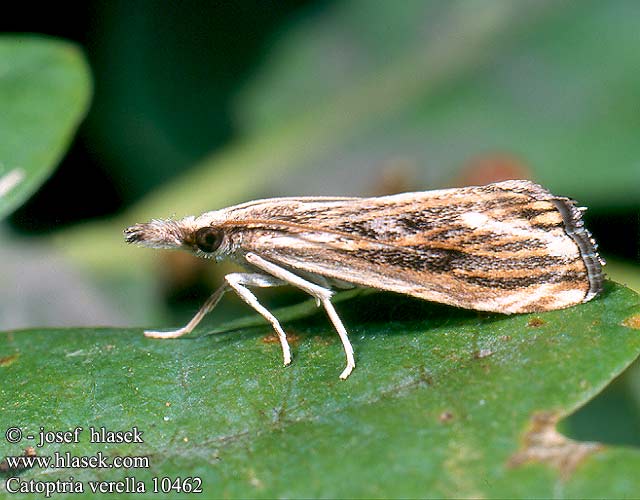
[(443, 402)]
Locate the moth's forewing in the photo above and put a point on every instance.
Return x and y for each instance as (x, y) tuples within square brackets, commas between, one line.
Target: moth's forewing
[(509, 247)]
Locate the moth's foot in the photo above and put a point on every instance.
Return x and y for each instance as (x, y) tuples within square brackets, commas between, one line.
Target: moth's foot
[(286, 354), (347, 371), (171, 334)]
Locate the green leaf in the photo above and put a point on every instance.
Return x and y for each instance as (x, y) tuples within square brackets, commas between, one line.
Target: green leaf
[(444, 402), (45, 87)]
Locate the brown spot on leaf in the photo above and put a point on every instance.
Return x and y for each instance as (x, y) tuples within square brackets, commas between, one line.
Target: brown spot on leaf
[(632, 322), (445, 416), (272, 338), (483, 353), (535, 322), (5, 468), (323, 339), (544, 444), (9, 360)]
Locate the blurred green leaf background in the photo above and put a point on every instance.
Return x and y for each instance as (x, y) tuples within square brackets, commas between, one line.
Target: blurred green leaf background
[(199, 105)]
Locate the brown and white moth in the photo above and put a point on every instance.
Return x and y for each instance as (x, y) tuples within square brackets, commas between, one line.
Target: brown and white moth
[(508, 247)]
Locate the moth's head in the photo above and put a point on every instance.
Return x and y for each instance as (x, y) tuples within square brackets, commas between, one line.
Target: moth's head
[(202, 238)]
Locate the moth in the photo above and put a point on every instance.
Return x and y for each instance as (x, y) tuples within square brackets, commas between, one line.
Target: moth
[(508, 247)]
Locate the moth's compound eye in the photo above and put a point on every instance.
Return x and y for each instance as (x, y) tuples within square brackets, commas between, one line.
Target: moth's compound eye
[(208, 239)]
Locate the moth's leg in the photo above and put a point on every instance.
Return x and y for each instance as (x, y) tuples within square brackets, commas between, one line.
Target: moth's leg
[(235, 281), (322, 295), (207, 307), (342, 332)]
